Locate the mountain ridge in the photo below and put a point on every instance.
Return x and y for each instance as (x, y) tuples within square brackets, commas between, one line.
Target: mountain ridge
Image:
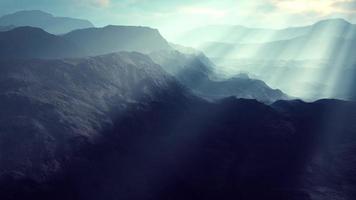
[(44, 20)]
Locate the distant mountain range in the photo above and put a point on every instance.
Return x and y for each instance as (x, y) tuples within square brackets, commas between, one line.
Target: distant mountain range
[(242, 35), (309, 62), (96, 41), (45, 21), (30, 42), (323, 40)]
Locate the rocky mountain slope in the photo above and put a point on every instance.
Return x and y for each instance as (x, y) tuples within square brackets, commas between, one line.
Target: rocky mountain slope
[(50, 107)]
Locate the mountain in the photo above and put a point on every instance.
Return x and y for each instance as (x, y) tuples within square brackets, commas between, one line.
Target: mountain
[(50, 107), (197, 73), (237, 34), (323, 40), (45, 21), (241, 34), (311, 65), (118, 126), (110, 39), (313, 46), (30, 42), (189, 149)]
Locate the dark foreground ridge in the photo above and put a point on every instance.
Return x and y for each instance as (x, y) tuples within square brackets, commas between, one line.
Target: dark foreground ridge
[(119, 127)]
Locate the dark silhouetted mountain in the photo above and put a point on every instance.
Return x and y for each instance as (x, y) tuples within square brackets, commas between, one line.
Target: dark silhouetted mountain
[(188, 149), (45, 21), (197, 73), (118, 126), (29, 42), (110, 39), (49, 105)]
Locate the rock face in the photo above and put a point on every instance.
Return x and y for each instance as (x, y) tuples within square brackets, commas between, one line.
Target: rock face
[(197, 73), (50, 107), (45, 21)]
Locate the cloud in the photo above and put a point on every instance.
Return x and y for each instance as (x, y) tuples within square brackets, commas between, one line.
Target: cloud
[(211, 12), (101, 3), (266, 8), (322, 7), (93, 3), (304, 6), (346, 5)]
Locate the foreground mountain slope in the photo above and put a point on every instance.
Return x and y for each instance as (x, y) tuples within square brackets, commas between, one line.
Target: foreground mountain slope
[(50, 107), (119, 127), (191, 149), (43, 20)]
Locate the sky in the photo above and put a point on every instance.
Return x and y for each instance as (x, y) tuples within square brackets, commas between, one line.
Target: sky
[(173, 17)]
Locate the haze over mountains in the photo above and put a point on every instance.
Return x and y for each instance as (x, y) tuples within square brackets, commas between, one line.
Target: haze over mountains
[(119, 113), (302, 58), (198, 73), (332, 35), (245, 35)]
